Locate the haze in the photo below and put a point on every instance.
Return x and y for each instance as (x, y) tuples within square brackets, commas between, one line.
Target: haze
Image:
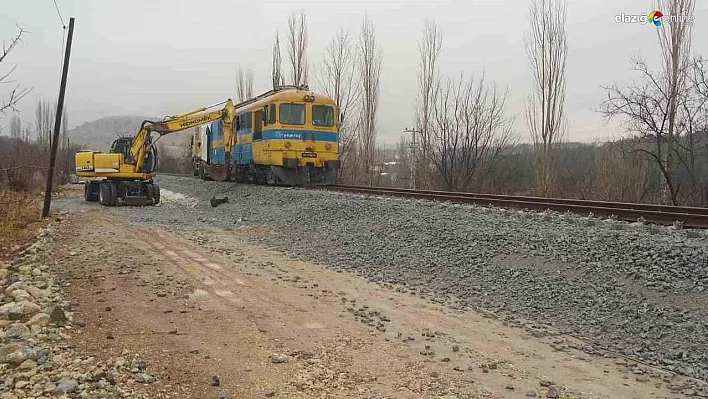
[(162, 57)]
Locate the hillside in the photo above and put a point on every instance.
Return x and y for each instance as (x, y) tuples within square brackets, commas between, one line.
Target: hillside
[(99, 134)]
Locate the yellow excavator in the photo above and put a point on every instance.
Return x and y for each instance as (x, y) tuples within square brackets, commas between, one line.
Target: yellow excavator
[(124, 175)]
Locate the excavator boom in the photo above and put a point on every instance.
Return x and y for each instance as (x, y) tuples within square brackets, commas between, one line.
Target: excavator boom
[(142, 140)]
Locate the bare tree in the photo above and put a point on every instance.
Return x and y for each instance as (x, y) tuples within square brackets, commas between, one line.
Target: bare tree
[(403, 152), (620, 174), (675, 43), (240, 84), (547, 49), (469, 129), (276, 74), (244, 84), (699, 76), (17, 93), (691, 133), (27, 132), (248, 89), (64, 126), (297, 48), (16, 127), (429, 47), (664, 111), (44, 118), (370, 58), (337, 78)]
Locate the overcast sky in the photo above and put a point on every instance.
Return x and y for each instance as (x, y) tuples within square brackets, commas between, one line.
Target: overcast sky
[(161, 57)]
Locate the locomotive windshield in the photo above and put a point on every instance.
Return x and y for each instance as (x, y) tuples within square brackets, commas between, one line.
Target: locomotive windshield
[(322, 115), (292, 114)]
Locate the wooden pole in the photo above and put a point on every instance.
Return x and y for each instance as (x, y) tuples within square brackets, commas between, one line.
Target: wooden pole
[(57, 123)]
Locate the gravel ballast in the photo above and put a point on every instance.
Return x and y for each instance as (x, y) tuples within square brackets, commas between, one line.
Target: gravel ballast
[(638, 290)]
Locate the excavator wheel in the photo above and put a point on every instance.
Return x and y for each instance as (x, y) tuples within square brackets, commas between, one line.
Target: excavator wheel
[(156, 196), (89, 194), (107, 194), (149, 193), (153, 193)]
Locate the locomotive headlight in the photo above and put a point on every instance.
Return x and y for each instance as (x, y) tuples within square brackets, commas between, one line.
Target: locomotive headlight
[(328, 146), (287, 144)]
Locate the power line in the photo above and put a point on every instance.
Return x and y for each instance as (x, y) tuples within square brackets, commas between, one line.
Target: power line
[(59, 13), (63, 37)]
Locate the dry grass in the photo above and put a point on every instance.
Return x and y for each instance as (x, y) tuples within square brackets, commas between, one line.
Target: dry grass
[(19, 212)]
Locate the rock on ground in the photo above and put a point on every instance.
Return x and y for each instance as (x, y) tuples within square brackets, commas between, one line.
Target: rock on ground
[(33, 360)]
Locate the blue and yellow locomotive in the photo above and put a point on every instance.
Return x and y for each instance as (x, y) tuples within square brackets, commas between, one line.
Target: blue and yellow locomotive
[(286, 136)]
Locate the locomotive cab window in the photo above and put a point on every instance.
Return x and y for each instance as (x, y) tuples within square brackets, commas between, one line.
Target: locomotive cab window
[(292, 114), (322, 115), (243, 122), (271, 114)]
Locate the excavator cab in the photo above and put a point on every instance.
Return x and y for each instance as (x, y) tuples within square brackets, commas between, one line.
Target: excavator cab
[(122, 146)]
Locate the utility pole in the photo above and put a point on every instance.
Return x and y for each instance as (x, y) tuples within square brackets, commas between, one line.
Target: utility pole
[(57, 122), (414, 150)]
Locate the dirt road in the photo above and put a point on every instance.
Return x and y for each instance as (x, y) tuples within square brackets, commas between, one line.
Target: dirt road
[(199, 306)]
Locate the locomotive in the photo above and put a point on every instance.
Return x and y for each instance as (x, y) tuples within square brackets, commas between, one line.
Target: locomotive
[(286, 136)]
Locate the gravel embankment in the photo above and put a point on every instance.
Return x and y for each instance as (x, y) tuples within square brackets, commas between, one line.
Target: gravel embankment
[(35, 320), (637, 290)]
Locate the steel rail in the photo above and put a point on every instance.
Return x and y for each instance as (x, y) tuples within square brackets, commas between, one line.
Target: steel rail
[(661, 214)]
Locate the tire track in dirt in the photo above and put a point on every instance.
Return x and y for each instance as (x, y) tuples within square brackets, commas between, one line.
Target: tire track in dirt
[(308, 324), (223, 281)]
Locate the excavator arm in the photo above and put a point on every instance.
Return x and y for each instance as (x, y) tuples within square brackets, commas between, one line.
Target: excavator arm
[(142, 141)]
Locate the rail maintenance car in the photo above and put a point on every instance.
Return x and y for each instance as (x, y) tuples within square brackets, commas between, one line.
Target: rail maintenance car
[(287, 136)]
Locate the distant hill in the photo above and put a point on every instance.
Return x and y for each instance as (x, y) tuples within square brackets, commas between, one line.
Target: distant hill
[(99, 134)]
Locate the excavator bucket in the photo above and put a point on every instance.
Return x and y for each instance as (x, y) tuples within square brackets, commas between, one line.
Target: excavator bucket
[(216, 172), (219, 172)]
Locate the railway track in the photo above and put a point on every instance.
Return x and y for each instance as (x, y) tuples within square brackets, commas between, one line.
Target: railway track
[(690, 217), (660, 214)]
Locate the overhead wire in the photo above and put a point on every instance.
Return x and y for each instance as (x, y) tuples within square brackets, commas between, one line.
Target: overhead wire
[(63, 42), (59, 13)]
